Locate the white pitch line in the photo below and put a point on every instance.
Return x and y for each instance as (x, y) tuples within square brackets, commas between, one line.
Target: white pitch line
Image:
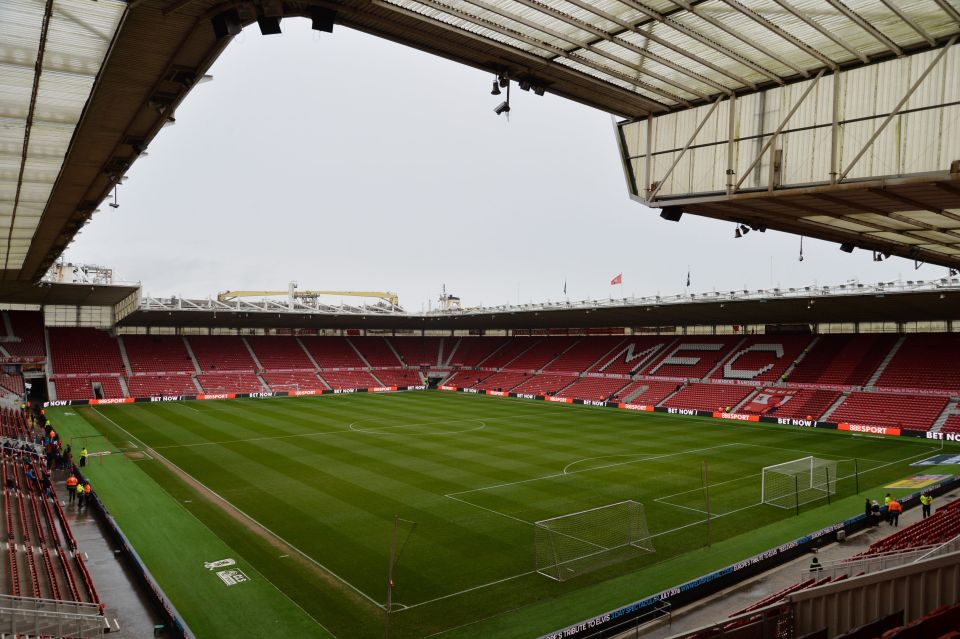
[(218, 496), (585, 470), (489, 510), (463, 592)]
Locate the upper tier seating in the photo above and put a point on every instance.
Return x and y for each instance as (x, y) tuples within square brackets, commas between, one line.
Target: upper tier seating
[(218, 383), (594, 388), (844, 360), (376, 351), (289, 381), (332, 352), (28, 328), (513, 348), (541, 353), (650, 392), (692, 357), (791, 403), (916, 412), (153, 385), (545, 384), (280, 353), (762, 358), (418, 351), (221, 353), (583, 354), (924, 361), (84, 351), (633, 354), (709, 396), (349, 379), (157, 353), (472, 351), (399, 377)]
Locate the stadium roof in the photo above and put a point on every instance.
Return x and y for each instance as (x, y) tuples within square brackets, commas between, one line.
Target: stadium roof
[(852, 302), (62, 294), (85, 86)]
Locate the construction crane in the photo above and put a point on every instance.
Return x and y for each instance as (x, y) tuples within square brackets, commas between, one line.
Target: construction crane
[(293, 294)]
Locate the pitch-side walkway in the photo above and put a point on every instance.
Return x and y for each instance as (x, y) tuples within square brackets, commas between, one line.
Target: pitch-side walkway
[(114, 579), (719, 606)]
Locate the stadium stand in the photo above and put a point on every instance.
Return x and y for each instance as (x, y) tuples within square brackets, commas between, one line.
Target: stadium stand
[(221, 353), (12, 383), (645, 391), (400, 377), (85, 387), (292, 381), (230, 383), (27, 339), (894, 409), (154, 385), (794, 403), (509, 352), (502, 381), (940, 527), (84, 351), (632, 355), (924, 361), (545, 384), (762, 358), (583, 354), (709, 396), (349, 379), (693, 357), (952, 425), (280, 353), (157, 354), (542, 353), (594, 388), (418, 351), (40, 564), (467, 378), (843, 360), (377, 351), (332, 352), (474, 351)]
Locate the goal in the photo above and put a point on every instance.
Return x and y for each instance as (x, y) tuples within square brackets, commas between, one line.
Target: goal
[(577, 543), (292, 389), (801, 481)]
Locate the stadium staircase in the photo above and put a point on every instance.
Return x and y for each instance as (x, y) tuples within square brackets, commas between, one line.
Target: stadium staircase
[(445, 363), (193, 357), (835, 405), (872, 382), (359, 354)]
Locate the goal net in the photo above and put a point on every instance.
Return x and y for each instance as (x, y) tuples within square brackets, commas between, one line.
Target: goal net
[(578, 543), (799, 482)]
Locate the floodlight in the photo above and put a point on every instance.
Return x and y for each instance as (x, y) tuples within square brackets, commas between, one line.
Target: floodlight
[(524, 85), (496, 88), (539, 90), (737, 234), (503, 107), (226, 24), (671, 213), (846, 247)]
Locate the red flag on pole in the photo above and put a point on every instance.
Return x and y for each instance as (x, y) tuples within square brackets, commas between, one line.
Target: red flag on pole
[(617, 280)]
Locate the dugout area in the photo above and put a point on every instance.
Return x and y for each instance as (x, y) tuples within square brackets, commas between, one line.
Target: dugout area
[(300, 492)]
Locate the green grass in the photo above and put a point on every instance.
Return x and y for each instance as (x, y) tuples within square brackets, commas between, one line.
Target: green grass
[(327, 474)]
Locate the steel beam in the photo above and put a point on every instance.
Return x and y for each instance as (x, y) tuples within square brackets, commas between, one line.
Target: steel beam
[(780, 128), (896, 110), (866, 26), (797, 42), (801, 15)]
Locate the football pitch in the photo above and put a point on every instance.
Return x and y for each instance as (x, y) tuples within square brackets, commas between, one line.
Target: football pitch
[(302, 493)]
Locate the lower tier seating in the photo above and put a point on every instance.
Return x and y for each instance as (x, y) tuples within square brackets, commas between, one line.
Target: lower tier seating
[(645, 391), (940, 527), (403, 377), (790, 403), (709, 396), (890, 409), (83, 387), (952, 425), (349, 379), (290, 381), (503, 381), (594, 388), (544, 384), (151, 385), (230, 383)]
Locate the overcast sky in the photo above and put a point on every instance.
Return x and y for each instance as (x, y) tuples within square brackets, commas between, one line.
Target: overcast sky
[(345, 162)]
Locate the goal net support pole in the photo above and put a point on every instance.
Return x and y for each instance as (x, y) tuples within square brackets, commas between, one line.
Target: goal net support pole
[(577, 543), (798, 482)]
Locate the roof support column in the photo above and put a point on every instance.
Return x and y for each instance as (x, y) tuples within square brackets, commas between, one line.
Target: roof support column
[(835, 130), (648, 160), (731, 134)]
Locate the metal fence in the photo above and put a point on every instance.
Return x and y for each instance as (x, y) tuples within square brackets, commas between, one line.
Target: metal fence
[(49, 617)]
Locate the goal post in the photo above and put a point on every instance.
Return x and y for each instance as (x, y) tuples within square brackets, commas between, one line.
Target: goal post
[(577, 543), (798, 482)]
